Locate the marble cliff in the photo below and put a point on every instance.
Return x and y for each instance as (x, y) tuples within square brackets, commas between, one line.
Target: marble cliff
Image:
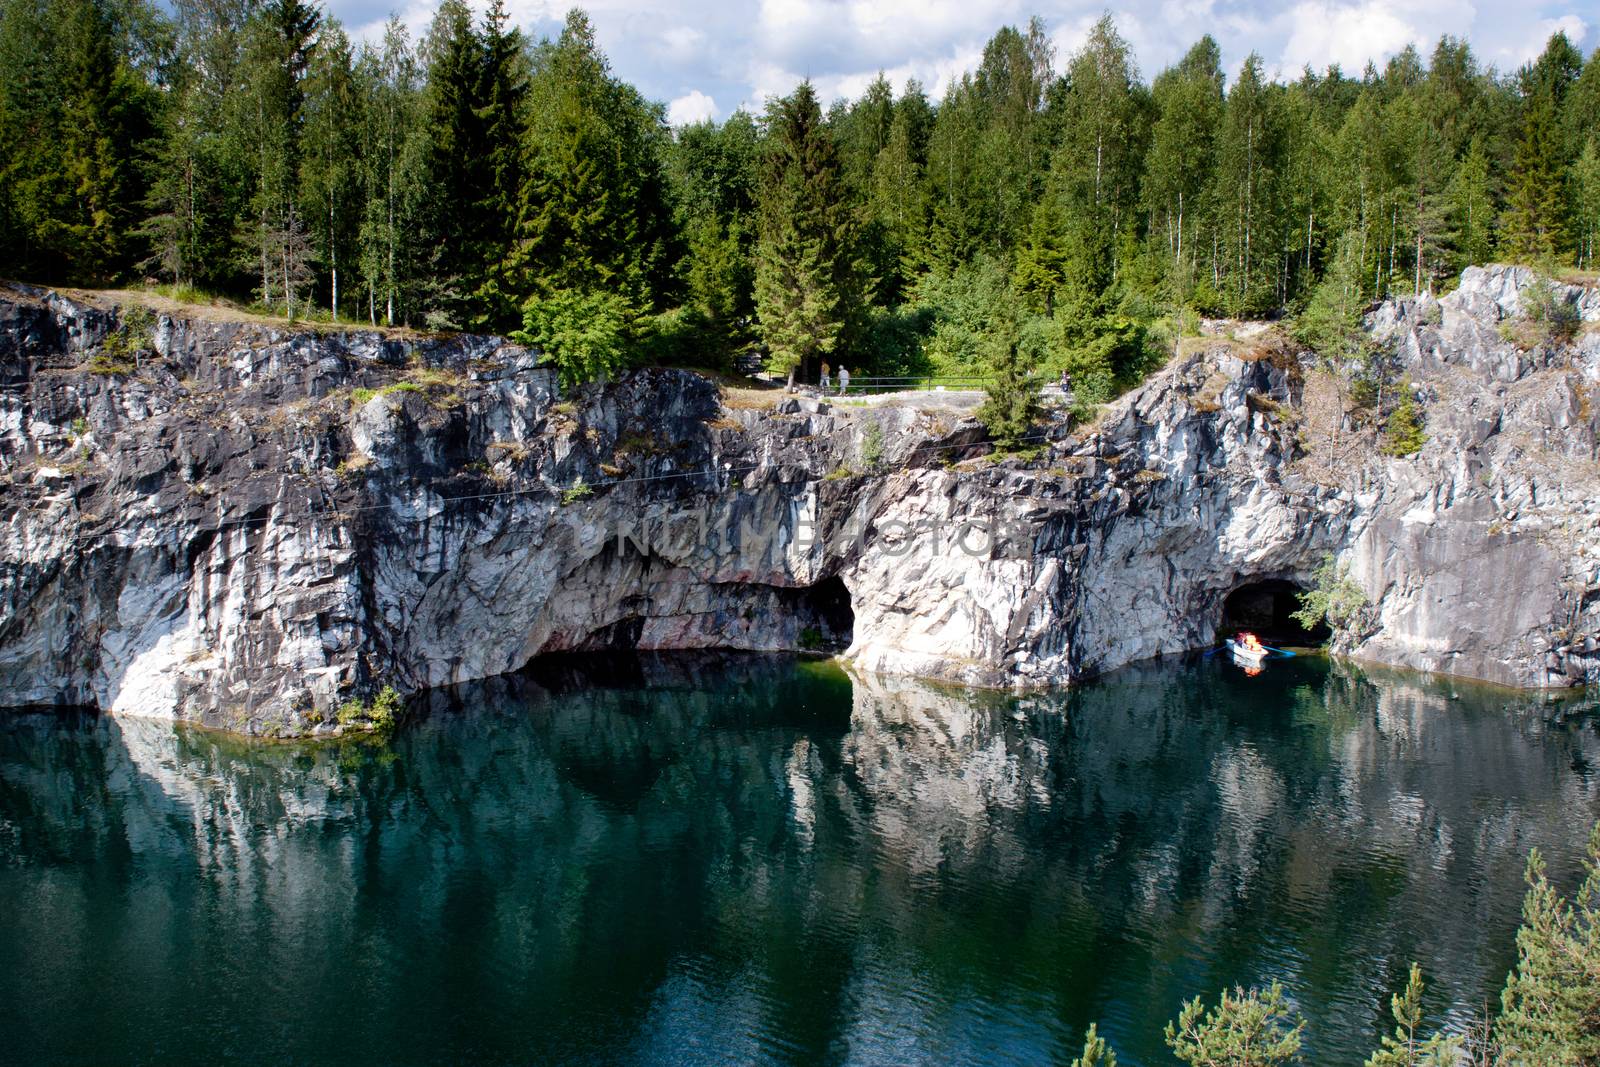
[(222, 520)]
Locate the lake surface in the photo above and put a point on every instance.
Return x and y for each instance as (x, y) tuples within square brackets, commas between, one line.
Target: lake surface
[(761, 860)]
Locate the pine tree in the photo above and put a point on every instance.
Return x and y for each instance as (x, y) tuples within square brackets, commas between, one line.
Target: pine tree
[(1406, 1047), (1550, 1008), (804, 257), (1096, 1053), (1254, 1029)]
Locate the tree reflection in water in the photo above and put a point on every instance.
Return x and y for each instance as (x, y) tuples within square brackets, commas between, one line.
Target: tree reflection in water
[(713, 859)]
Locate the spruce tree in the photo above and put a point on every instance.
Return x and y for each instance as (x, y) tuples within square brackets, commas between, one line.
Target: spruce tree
[(1010, 409), (804, 257), (500, 112), (1533, 220), (593, 212), (452, 180), (92, 229)]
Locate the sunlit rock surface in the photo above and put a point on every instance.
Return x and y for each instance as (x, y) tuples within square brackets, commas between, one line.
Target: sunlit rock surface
[(253, 524)]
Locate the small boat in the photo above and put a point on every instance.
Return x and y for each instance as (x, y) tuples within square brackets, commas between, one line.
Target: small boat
[(1247, 652)]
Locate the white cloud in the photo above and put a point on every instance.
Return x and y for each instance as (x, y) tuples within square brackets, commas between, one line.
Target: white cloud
[(1513, 49), (693, 106), (1347, 34), (694, 52), (682, 42)]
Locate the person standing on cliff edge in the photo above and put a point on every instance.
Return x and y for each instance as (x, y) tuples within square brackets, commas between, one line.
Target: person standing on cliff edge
[(844, 379), (823, 382)]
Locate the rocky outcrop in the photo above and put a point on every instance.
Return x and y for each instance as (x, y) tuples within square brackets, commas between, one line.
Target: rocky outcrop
[(240, 524)]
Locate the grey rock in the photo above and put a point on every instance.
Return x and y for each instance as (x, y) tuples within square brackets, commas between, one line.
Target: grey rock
[(235, 535)]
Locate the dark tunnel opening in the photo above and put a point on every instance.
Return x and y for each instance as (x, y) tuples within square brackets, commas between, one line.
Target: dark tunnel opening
[(1266, 608), (827, 604)]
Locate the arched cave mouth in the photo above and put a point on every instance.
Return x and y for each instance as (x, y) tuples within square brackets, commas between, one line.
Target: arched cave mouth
[(832, 621), (1266, 609)]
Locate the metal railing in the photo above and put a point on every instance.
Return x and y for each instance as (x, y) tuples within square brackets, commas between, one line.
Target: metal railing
[(910, 383)]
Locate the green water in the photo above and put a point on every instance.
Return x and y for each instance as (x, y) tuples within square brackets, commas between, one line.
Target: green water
[(755, 860)]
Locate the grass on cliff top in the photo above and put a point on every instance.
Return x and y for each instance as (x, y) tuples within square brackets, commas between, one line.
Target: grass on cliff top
[(189, 302)]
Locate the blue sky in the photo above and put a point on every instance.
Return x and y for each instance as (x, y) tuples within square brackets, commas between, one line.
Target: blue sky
[(705, 58)]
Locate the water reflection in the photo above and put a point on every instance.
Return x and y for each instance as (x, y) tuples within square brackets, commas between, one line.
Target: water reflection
[(713, 860)]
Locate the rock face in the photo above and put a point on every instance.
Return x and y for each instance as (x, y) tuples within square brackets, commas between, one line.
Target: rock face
[(243, 525)]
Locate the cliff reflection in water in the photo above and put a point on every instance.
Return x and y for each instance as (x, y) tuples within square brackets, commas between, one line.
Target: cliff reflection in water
[(752, 859)]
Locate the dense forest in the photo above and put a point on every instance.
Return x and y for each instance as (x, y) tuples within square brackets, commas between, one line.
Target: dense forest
[(1053, 212)]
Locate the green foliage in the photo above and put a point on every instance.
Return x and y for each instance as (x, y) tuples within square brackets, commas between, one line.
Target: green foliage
[(584, 333), (380, 714), (1403, 432), (594, 212), (124, 347), (1096, 1053), (1548, 308), (1406, 1047), (1333, 598), (811, 639), (1011, 407), (1330, 325), (872, 445), (965, 307), (1550, 1008), (579, 490), (256, 151), (1244, 1029), (805, 284)]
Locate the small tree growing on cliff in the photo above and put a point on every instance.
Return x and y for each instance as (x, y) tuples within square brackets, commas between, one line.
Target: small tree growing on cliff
[(1012, 406), (1334, 599), (1331, 323), (1403, 432), (584, 333)]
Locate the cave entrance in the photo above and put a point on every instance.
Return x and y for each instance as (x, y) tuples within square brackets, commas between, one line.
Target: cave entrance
[(824, 619), (1266, 608)]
